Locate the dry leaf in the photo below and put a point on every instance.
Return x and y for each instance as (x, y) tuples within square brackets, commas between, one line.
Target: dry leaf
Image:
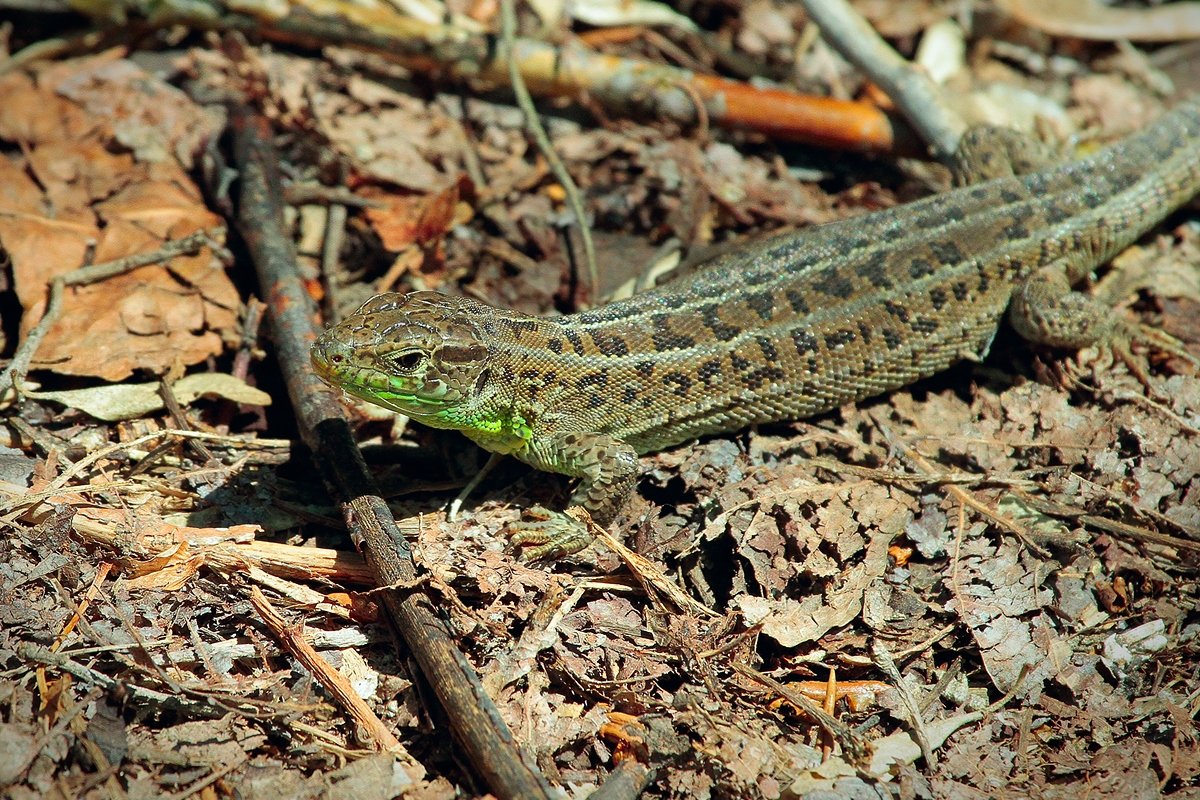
[(132, 400)]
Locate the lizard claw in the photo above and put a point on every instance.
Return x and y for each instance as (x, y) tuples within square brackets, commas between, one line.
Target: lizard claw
[(1127, 333), (548, 535), (1068, 373)]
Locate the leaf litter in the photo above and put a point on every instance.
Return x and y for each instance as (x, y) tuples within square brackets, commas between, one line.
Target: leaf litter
[(1043, 663)]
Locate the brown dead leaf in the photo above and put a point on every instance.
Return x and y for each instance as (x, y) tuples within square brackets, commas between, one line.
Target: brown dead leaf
[(421, 219), (387, 135), (75, 188), (998, 592), (153, 119), (1091, 19), (169, 571), (793, 622)]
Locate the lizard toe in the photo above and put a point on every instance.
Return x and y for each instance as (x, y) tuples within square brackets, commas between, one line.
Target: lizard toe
[(547, 535)]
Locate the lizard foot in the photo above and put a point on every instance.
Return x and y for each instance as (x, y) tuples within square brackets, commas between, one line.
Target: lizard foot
[(548, 535), (1120, 345), (1164, 343)]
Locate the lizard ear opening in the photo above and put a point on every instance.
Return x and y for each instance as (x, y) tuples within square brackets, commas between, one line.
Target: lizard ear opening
[(485, 375)]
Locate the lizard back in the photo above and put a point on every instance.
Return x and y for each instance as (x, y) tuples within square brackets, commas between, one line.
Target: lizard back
[(797, 324)]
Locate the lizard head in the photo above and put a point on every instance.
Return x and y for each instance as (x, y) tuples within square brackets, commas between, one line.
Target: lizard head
[(422, 354)]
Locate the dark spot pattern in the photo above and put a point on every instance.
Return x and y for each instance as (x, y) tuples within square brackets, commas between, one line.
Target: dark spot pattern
[(531, 379), (946, 251), (644, 369), (770, 354), (675, 301), (938, 298), (925, 325), (710, 315), (763, 304), (757, 277), (1055, 213), (709, 371), (874, 270), (796, 300), (786, 251), (598, 379), (1016, 230), (666, 339), (610, 345), (834, 284), (520, 327), (755, 379), (836, 340), (804, 341), (681, 382), (897, 310), (920, 268), (575, 339), (594, 317)]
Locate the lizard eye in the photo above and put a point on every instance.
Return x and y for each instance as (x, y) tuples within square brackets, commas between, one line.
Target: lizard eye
[(407, 361)]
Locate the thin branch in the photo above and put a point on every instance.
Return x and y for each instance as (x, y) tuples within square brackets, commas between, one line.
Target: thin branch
[(475, 722), (508, 32), (912, 91), (622, 85)]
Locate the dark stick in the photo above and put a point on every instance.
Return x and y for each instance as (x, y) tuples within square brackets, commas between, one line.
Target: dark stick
[(474, 720)]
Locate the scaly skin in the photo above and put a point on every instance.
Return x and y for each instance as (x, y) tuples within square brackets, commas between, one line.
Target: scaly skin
[(783, 328)]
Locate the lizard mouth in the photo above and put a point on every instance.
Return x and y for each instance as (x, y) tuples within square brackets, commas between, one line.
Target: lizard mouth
[(335, 365)]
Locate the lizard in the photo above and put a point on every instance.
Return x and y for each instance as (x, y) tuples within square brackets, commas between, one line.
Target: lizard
[(782, 328)]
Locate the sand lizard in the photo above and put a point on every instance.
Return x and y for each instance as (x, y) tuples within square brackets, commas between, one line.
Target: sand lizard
[(782, 328)]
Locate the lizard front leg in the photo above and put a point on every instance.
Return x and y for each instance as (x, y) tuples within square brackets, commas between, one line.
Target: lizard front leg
[(606, 468)]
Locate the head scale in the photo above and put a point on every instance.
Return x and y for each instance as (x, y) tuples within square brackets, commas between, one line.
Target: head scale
[(421, 354)]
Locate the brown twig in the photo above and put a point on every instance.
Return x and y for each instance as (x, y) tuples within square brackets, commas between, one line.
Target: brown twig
[(508, 33), (627, 781), (854, 749), (621, 85), (474, 720), (330, 679), (968, 500), (913, 92), (883, 659)]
